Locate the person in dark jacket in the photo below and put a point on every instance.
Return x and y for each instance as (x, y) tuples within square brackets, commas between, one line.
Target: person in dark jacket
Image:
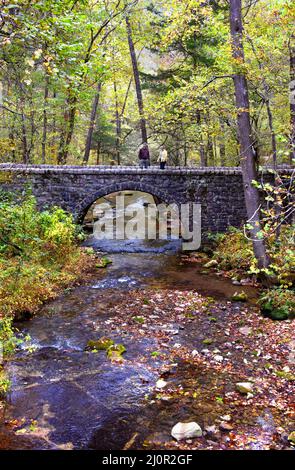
[(144, 156)]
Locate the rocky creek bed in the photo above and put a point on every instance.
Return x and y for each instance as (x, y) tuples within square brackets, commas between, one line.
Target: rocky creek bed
[(187, 346)]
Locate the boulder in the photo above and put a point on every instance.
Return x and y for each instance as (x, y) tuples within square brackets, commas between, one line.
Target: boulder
[(244, 387), (275, 313), (183, 431)]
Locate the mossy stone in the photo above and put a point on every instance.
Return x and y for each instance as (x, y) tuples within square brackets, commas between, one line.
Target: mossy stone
[(102, 344), (240, 297), (115, 352), (275, 313)]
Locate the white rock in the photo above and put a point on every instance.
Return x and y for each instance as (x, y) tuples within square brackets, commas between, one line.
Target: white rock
[(183, 431), (218, 358), (244, 387), (225, 418), (205, 351), (211, 429), (161, 383), (245, 330)]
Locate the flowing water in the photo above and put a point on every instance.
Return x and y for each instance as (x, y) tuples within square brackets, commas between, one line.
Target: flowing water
[(63, 396)]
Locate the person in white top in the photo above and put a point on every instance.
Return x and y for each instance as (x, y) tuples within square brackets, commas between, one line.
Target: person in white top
[(163, 157)]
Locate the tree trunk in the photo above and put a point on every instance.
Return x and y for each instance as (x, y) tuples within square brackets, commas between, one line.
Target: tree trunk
[(202, 150), (273, 135), (32, 130), (98, 152), (222, 143), (44, 133), (68, 130), (91, 124), (249, 172), (24, 138), (137, 82), (210, 151), (26, 159), (292, 97), (118, 125), (185, 153)]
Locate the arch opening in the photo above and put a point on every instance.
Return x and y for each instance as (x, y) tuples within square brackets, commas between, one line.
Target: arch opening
[(132, 221)]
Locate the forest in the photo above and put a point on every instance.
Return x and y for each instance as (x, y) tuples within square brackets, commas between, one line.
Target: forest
[(86, 82), (120, 339)]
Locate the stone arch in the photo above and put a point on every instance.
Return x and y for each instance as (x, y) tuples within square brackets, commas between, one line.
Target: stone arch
[(86, 203)]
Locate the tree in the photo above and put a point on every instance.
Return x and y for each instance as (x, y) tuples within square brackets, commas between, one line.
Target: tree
[(247, 158), (137, 81)]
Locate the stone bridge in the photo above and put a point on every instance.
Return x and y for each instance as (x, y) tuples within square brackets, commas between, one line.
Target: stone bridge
[(75, 188)]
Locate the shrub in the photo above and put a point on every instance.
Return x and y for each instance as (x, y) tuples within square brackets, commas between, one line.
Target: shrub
[(278, 303), (38, 255), (234, 250)]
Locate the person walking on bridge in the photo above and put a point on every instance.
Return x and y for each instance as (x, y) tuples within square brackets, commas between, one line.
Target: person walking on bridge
[(163, 157), (144, 156)]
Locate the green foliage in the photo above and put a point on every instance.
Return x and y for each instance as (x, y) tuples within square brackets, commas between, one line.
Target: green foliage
[(54, 53), (4, 384), (7, 346), (38, 255), (278, 303), (104, 262), (234, 253), (102, 344), (233, 250), (138, 319)]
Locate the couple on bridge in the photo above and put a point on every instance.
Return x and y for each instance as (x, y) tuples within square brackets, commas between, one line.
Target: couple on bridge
[(144, 156)]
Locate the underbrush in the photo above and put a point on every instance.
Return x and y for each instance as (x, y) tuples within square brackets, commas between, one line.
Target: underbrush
[(234, 254), (39, 256)]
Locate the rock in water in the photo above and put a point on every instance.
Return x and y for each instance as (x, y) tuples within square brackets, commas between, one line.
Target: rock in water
[(100, 344), (240, 297), (161, 384), (183, 431), (211, 264), (244, 387)]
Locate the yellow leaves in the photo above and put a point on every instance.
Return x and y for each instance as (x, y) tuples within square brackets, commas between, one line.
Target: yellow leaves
[(38, 53), (30, 62)]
